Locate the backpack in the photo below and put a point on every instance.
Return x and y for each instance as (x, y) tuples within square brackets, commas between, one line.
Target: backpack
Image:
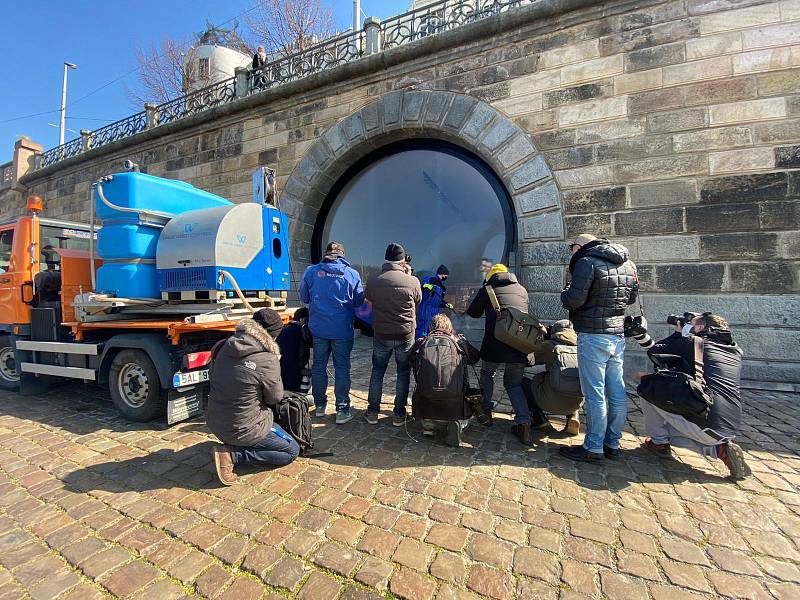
[(293, 415), (563, 375), (439, 370)]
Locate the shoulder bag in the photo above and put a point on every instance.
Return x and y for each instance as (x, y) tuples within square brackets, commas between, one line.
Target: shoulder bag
[(515, 328)]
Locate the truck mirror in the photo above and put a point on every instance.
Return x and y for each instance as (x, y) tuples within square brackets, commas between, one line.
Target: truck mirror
[(26, 292)]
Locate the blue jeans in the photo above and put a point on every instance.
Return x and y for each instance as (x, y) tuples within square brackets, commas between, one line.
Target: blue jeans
[(381, 353), (341, 349), (600, 358), (512, 380), (278, 448)]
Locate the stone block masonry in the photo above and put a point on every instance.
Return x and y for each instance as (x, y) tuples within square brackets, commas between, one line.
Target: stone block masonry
[(672, 125)]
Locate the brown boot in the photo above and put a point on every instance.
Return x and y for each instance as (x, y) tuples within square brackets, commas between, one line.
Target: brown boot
[(573, 425), (224, 464), (733, 457), (523, 432)]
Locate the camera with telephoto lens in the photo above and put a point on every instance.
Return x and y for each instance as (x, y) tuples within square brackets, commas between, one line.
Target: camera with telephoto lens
[(680, 321), (636, 327)]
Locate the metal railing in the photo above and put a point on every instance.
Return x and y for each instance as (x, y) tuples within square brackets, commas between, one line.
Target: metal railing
[(440, 16), (424, 21)]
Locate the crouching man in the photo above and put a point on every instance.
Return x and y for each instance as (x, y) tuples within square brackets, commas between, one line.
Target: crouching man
[(556, 390), (722, 368), (245, 384)]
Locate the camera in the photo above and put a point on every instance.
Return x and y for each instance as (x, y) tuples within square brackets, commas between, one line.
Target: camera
[(680, 321), (636, 327)]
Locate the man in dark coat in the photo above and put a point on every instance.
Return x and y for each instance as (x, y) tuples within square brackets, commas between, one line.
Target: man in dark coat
[(603, 284), (395, 295), (245, 384), (495, 353), (722, 368)]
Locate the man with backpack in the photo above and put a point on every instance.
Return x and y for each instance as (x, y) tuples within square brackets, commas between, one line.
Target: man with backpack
[(556, 390), (245, 389), (502, 288), (440, 362), (332, 289), (394, 295)]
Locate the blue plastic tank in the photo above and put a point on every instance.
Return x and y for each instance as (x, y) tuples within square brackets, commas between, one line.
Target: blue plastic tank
[(128, 280), (120, 239), (147, 192), (124, 241)]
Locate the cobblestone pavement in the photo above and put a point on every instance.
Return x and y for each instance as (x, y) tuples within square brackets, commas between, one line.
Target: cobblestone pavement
[(92, 506)]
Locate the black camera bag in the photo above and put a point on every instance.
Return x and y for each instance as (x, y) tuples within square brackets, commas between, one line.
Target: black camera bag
[(677, 392)]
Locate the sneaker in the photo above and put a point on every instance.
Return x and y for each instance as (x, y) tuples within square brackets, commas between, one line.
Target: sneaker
[(343, 416), (523, 432), (611, 453), (581, 454), (453, 434), (428, 427), (573, 426), (731, 454), (320, 411), (660, 449), (371, 417), (223, 462), (399, 420)]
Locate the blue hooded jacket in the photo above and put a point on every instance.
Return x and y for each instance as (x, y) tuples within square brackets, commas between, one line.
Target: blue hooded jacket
[(431, 305), (332, 289)]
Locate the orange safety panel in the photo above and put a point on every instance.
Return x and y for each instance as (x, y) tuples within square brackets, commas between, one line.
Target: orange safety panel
[(76, 277)]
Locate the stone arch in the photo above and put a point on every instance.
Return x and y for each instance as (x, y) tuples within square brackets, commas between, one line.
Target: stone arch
[(459, 119)]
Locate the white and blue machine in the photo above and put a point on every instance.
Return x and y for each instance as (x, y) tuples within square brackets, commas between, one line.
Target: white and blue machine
[(166, 239)]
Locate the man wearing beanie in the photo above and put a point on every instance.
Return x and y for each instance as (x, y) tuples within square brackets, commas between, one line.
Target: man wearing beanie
[(332, 289), (245, 383), (433, 291), (394, 295), (603, 283)]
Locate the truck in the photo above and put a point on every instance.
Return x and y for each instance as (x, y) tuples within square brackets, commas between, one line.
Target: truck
[(60, 321)]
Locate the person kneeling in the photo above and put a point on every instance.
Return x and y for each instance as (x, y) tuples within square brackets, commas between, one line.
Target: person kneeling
[(245, 384), (556, 390), (721, 368), (440, 362)]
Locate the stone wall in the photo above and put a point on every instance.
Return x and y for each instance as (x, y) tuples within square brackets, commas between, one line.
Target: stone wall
[(672, 126)]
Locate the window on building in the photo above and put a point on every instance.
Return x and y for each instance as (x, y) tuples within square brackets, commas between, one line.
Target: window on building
[(204, 68), (443, 204)]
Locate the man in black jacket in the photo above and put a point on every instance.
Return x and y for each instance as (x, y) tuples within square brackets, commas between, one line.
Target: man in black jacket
[(603, 283), (245, 384), (494, 352), (722, 368)]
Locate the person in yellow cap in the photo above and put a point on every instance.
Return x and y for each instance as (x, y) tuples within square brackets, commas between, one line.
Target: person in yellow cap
[(494, 353)]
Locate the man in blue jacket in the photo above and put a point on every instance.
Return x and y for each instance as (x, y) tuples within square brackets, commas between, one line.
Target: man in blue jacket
[(332, 289)]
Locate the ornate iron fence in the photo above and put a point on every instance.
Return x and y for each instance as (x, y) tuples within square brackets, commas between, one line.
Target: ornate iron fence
[(415, 24), (440, 16), (321, 57)]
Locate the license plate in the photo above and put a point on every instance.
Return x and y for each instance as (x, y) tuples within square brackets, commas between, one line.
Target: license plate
[(191, 378)]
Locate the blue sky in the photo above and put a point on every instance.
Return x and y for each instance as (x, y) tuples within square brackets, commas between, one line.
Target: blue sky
[(101, 38)]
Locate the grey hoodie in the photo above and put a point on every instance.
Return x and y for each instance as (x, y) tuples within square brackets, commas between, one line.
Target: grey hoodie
[(245, 382)]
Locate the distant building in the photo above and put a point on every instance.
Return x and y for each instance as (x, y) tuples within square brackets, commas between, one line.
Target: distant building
[(214, 58)]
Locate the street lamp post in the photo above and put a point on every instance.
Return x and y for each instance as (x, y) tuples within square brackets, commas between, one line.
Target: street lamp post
[(61, 129)]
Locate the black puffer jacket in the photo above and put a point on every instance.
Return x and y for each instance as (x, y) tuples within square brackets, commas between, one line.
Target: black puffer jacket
[(509, 294), (245, 382), (722, 370), (603, 283)]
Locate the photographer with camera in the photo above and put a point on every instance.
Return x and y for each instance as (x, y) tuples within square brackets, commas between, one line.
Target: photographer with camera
[(603, 284), (720, 367)]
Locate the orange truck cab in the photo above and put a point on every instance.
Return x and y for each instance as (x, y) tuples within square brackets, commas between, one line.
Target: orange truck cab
[(155, 365)]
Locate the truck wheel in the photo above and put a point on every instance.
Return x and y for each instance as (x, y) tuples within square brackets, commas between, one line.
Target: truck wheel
[(135, 387), (9, 371)]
